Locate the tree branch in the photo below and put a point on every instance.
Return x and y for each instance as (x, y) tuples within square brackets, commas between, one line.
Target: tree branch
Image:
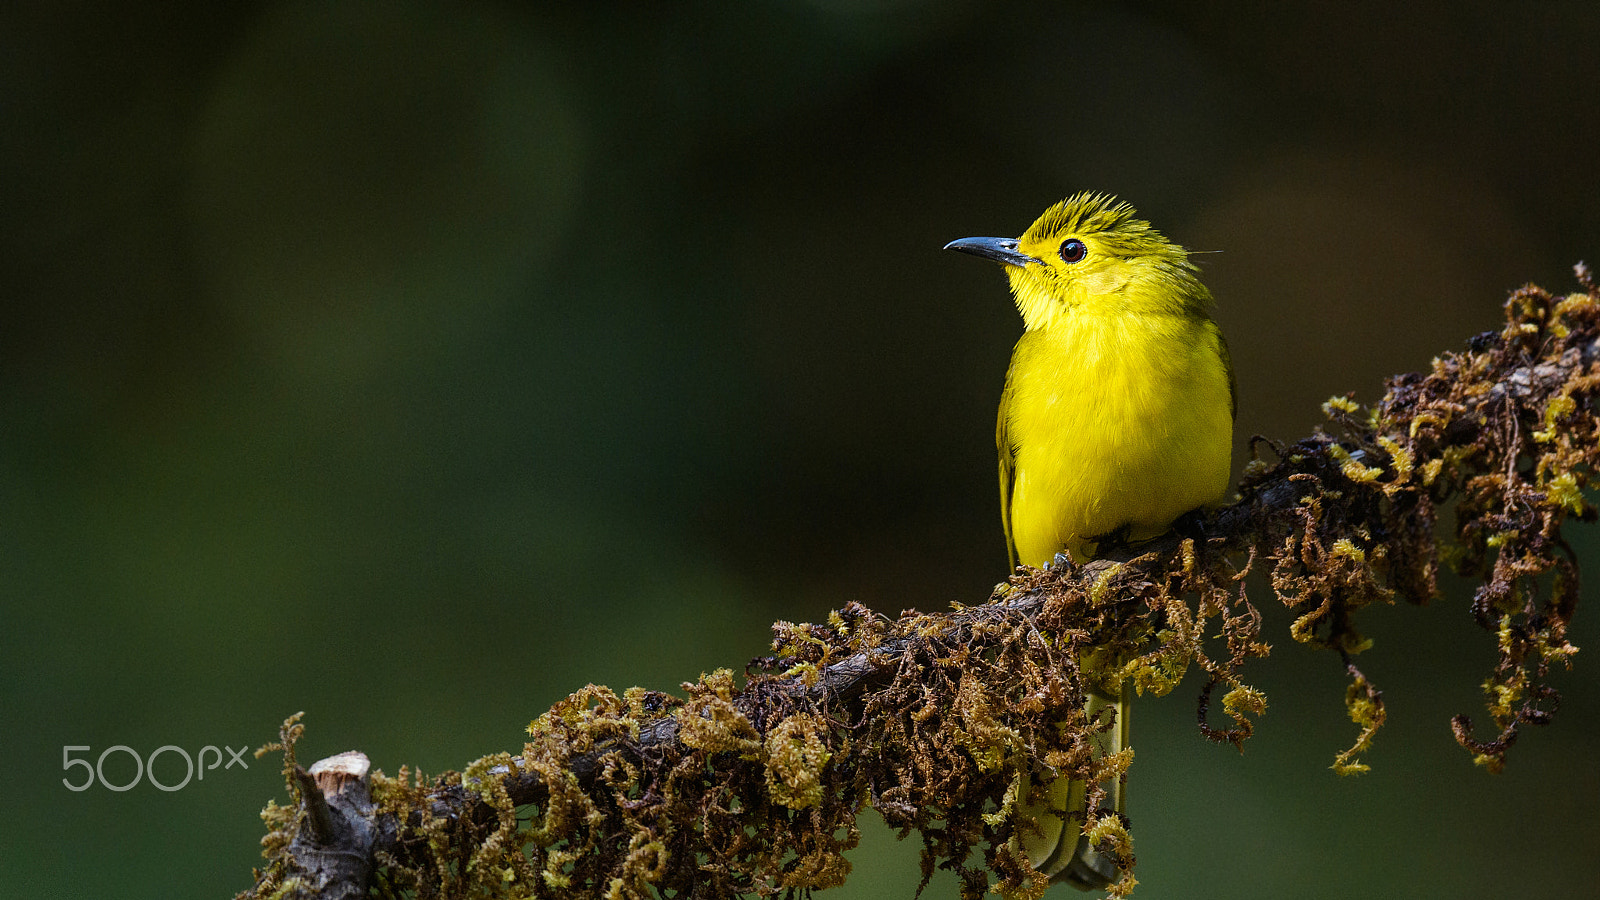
[(933, 718)]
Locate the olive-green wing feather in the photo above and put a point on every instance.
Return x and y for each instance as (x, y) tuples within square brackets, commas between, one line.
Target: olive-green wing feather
[(1227, 363), (1008, 461)]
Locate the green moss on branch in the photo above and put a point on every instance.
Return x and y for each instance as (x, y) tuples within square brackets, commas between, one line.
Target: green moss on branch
[(933, 719)]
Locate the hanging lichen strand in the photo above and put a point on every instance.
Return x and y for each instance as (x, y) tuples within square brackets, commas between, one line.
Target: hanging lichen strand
[(933, 719)]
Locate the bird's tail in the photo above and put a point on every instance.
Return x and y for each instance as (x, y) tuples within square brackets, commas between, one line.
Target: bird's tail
[(1059, 848)]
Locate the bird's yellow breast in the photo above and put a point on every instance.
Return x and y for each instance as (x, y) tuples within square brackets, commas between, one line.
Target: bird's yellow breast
[(1113, 420)]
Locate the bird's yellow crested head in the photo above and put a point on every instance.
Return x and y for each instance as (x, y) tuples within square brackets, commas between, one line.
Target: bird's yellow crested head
[(1090, 253)]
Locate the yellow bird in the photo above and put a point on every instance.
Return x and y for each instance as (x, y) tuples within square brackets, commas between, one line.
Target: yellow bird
[(1116, 419)]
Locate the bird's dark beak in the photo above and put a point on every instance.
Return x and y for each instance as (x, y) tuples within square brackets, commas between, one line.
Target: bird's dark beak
[(1001, 250)]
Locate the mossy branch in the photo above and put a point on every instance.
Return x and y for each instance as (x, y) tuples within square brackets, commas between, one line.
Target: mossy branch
[(932, 718)]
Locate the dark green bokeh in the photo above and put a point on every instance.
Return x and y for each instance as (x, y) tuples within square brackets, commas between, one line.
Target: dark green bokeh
[(415, 365)]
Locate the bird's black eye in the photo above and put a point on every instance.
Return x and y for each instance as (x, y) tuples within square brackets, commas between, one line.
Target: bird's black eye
[(1073, 250)]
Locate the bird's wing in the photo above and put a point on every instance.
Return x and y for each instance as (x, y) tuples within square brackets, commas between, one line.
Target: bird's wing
[(1227, 363), (1002, 441)]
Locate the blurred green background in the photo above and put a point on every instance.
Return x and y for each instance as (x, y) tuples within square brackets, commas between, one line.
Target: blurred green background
[(414, 364)]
